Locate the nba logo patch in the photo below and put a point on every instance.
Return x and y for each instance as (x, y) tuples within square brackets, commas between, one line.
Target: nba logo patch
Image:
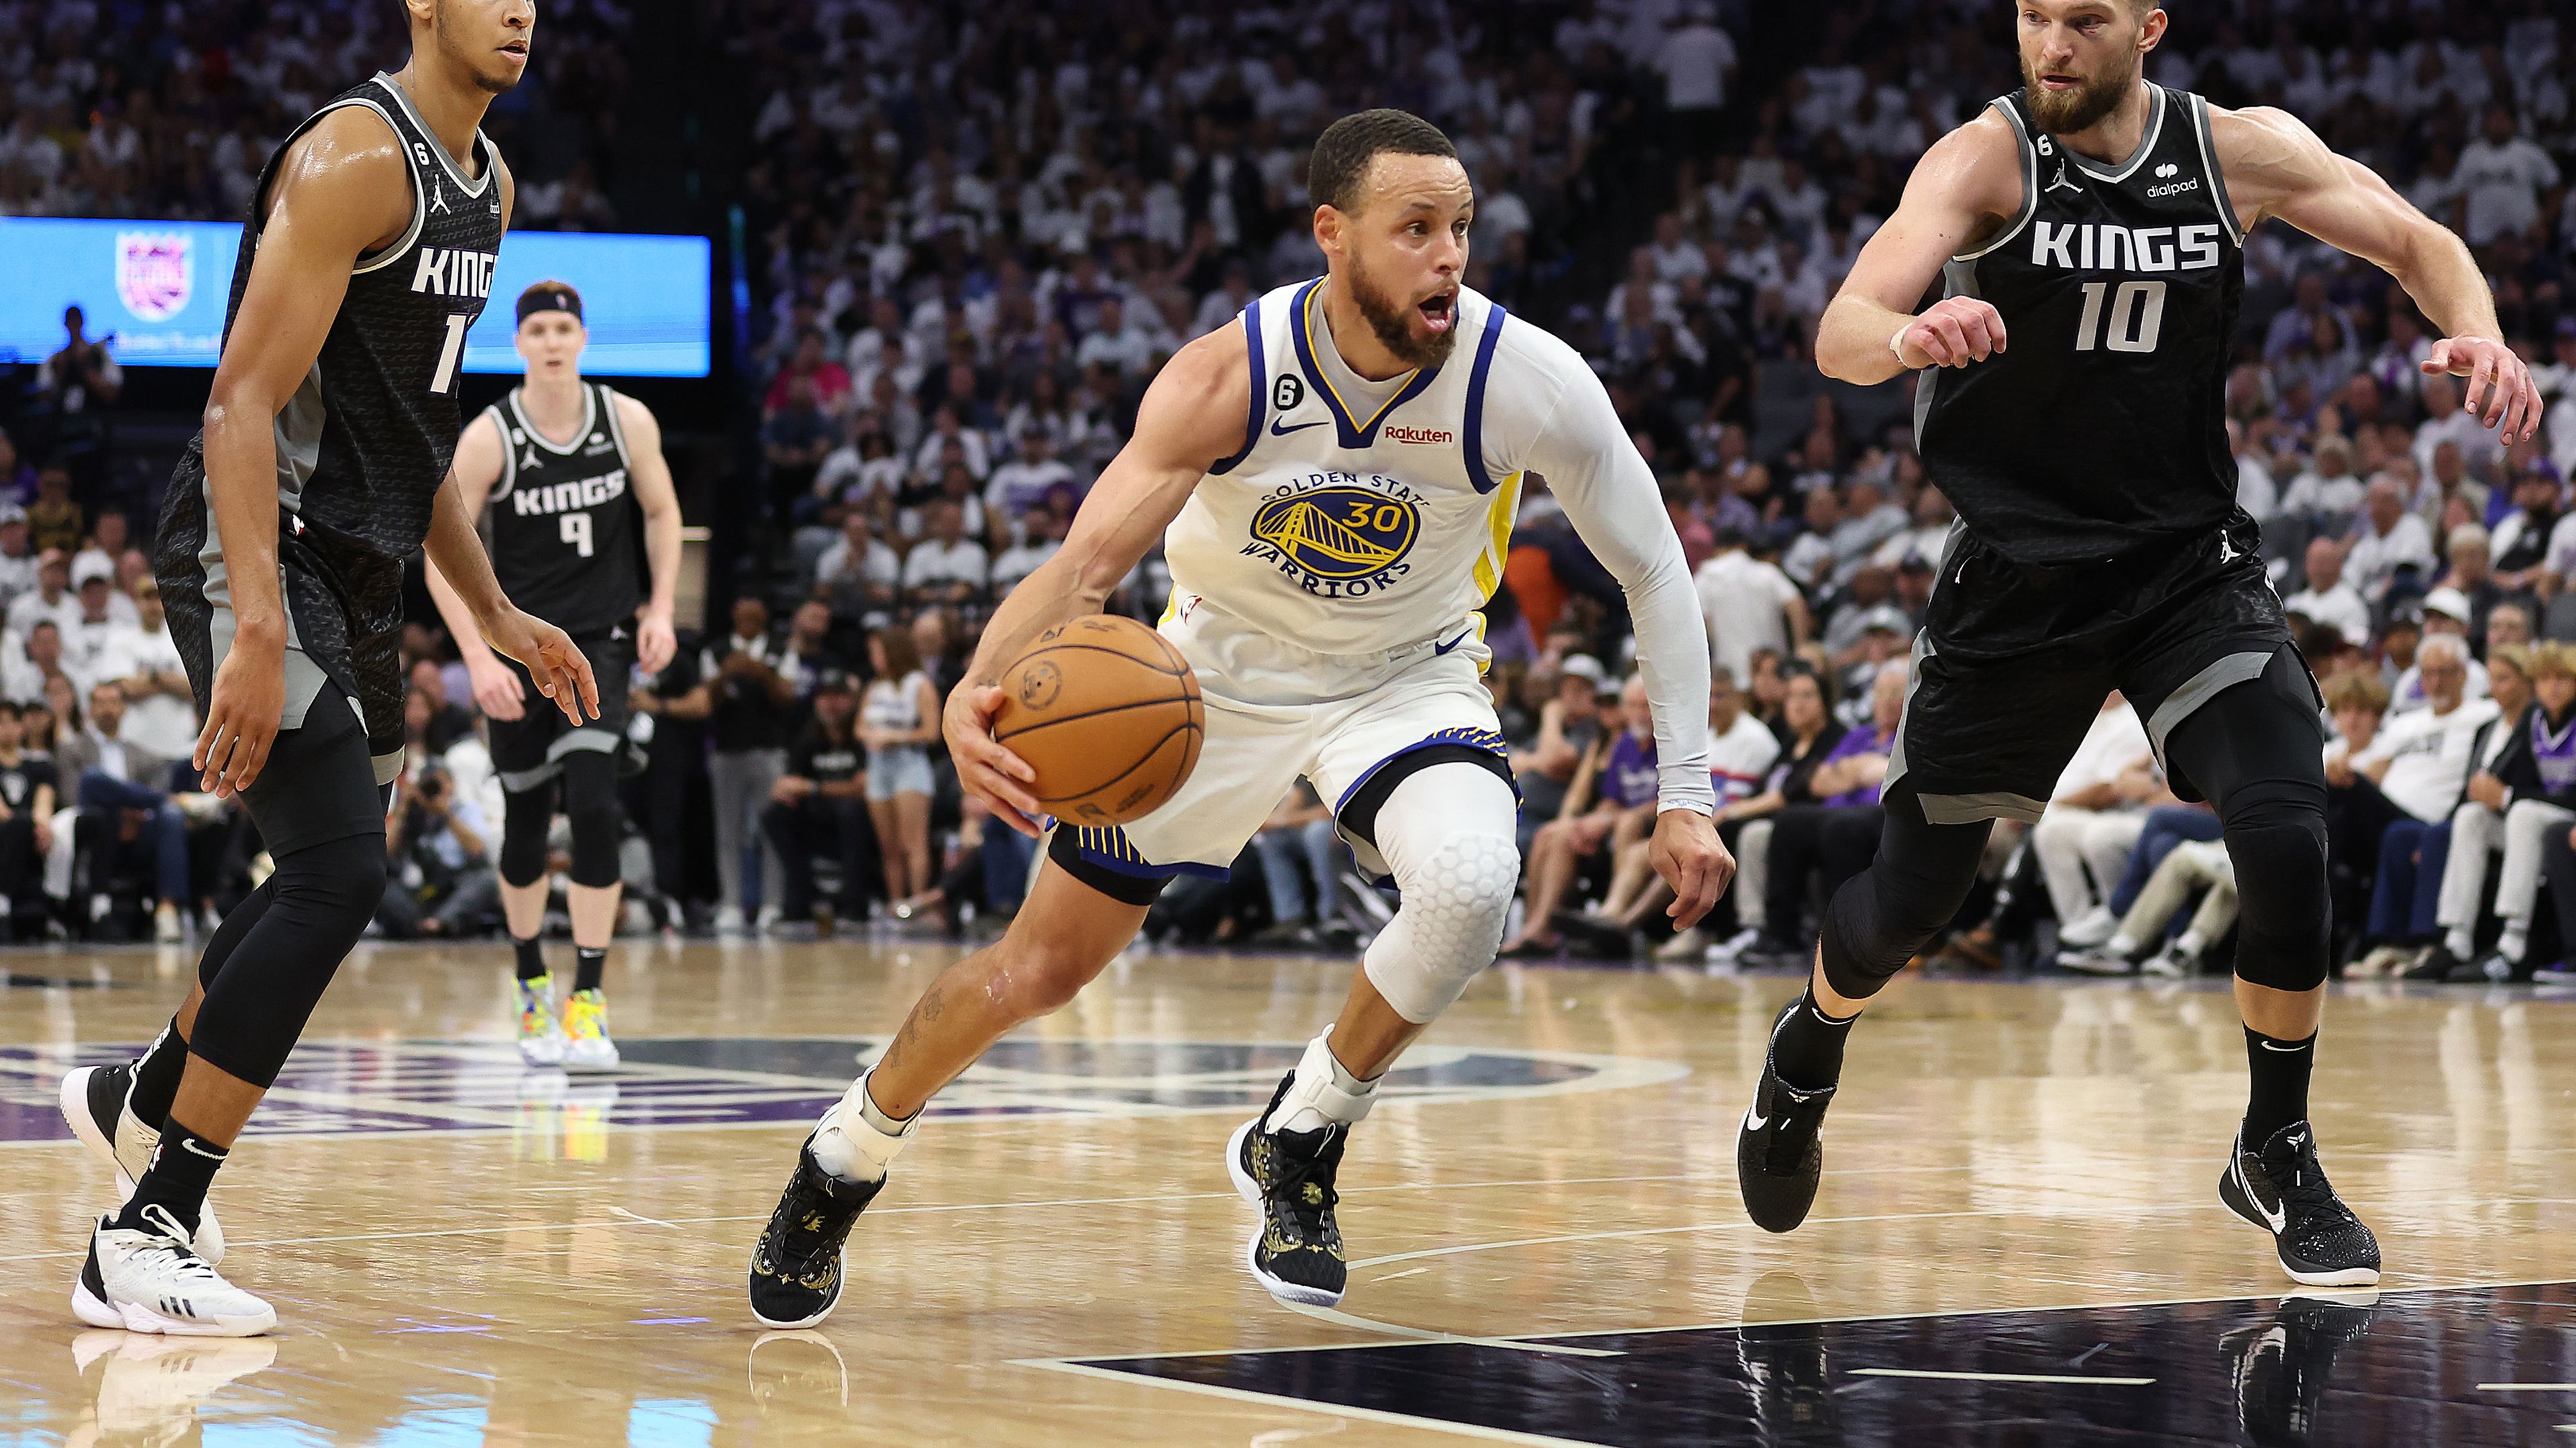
[(156, 271)]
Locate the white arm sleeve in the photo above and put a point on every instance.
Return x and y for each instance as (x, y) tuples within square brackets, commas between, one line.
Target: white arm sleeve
[(1611, 498)]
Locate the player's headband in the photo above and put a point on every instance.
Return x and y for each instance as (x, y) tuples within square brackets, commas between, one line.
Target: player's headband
[(549, 297)]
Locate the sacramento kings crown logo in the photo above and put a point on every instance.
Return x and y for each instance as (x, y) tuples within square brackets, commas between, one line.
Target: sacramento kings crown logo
[(1339, 533), (155, 273)]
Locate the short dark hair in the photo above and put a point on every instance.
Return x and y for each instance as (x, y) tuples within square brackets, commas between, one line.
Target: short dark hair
[(1343, 152)]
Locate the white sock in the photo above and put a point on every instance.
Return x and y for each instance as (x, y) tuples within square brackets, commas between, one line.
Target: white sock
[(2120, 945), (2189, 945), (856, 1141), (2460, 942), (1324, 1092), (2515, 941)]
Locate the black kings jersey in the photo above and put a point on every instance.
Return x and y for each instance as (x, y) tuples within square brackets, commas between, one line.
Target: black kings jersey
[(563, 524), (365, 442), (2101, 428)]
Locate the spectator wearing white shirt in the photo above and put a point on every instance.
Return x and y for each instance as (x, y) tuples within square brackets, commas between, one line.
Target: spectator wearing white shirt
[(1119, 340), (2415, 767), (2501, 175), (1042, 535), (950, 440), (17, 560), (1750, 605), (2256, 492), (947, 566), (2093, 820), (94, 628), (1020, 484), (2390, 538), (2328, 599), (2328, 492), (863, 574), (2445, 421), (23, 670), (2446, 615), (161, 708)]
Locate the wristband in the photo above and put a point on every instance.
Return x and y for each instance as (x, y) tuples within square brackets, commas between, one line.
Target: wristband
[(1896, 344)]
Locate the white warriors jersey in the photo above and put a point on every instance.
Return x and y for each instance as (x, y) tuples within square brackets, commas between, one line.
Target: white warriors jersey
[(1360, 518)]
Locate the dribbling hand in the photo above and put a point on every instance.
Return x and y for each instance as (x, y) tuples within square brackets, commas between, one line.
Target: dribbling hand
[(550, 657), (986, 770), (1952, 332), (1693, 861), (2497, 377)]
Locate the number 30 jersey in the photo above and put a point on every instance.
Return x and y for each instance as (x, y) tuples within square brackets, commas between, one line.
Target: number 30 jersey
[(1360, 518), (2102, 427), (562, 524)]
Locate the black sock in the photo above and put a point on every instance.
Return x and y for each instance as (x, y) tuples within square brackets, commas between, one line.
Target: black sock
[(181, 1171), (532, 956), (156, 1076), (1807, 1048), (587, 964), (2279, 1095)]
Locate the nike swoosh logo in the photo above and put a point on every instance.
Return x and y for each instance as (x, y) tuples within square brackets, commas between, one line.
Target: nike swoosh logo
[(1438, 649), (197, 1150), (1277, 431), (2284, 1050), (1755, 1123), (2277, 1218)]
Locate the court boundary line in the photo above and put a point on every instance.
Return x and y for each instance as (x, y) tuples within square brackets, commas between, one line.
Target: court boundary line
[(1272, 1400)]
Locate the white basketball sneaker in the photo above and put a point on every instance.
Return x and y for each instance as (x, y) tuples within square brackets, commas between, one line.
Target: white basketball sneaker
[(541, 1036), (152, 1280), (94, 1106)]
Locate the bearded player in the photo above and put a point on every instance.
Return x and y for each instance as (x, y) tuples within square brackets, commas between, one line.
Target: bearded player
[(2088, 232), (580, 507), (1339, 475), (366, 256)]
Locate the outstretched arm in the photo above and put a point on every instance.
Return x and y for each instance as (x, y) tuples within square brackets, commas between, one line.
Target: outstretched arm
[(1966, 188), (1192, 415), (2276, 166), (1610, 496)]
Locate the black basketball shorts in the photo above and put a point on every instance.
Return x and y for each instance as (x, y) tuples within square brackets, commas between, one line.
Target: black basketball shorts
[(528, 751), (2013, 663)]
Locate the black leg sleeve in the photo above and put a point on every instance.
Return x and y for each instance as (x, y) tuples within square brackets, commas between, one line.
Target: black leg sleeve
[(1883, 915), (2255, 751)]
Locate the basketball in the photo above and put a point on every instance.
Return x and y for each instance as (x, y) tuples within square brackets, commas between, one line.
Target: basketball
[(1108, 713)]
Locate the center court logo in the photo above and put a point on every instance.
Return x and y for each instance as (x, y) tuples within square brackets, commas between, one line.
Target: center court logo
[(380, 1088), (1339, 534)]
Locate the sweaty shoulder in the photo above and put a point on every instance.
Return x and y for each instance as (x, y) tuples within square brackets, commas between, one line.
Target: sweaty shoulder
[(349, 172), (2267, 155), (1976, 168), (1199, 406)]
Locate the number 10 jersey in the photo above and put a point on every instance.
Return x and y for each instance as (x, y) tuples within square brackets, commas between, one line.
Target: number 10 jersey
[(562, 523), (2102, 427)]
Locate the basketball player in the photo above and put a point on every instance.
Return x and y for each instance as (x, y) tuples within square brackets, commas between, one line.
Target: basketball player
[(570, 469), (2088, 231), (1339, 475), (332, 416)]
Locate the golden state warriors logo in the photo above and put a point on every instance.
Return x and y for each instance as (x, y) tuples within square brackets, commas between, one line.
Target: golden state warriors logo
[(1339, 534)]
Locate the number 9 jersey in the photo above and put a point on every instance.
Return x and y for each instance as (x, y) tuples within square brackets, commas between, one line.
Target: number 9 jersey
[(2102, 427), (562, 524)]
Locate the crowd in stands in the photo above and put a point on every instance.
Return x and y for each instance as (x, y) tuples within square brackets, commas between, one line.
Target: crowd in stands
[(976, 232)]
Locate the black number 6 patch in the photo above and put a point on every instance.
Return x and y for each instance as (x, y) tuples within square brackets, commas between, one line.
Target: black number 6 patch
[(1286, 393)]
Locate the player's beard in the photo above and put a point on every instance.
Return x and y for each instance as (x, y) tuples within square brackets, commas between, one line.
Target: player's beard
[(492, 79), (1392, 318), (2063, 113)]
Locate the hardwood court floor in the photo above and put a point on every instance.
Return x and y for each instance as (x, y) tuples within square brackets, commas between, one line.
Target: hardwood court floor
[(462, 1252)]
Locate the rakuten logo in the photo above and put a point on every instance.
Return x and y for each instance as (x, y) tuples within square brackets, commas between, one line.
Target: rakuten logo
[(1420, 434)]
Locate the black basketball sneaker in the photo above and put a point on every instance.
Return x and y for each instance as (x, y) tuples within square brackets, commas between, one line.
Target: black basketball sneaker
[(1777, 1157), (2283, 1190), (796, 1269), (2281, 1368), (1288, 1175)]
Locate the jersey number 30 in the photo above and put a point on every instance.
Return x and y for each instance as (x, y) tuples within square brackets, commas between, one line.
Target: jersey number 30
[(2137, 317), (576, 531)]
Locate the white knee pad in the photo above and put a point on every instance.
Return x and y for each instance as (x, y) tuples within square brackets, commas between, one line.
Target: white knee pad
[(1447, 837)]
